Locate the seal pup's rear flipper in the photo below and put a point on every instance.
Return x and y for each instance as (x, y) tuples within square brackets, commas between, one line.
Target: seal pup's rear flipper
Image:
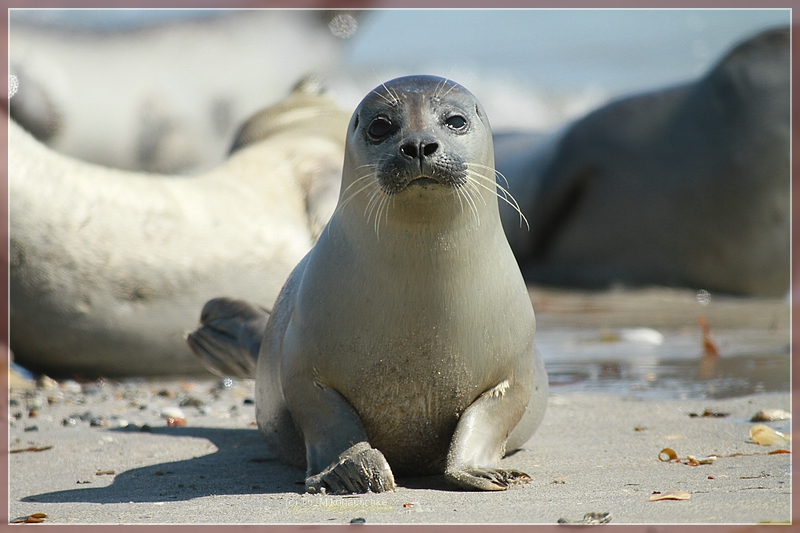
[(229, 339)]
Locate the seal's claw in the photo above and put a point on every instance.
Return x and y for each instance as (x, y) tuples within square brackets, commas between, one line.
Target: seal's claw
[(485, 478), (358, 469)]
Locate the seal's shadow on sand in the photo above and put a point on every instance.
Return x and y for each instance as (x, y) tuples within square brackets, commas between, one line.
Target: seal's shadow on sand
[(241, 465)]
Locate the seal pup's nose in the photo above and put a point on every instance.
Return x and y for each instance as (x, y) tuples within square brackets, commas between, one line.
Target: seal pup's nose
[(419, 149)]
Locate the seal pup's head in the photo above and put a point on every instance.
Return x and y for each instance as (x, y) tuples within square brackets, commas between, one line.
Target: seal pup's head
[(419, 147)]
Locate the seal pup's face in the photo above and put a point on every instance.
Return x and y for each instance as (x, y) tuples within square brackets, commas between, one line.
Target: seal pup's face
[(419, 142)]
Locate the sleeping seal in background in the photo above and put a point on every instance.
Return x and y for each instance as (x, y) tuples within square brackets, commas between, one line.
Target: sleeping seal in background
[(109, 267), (402, 343), (687, 186)]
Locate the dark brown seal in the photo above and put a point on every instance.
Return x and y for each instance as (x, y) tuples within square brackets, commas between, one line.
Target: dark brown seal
[(686, 186)]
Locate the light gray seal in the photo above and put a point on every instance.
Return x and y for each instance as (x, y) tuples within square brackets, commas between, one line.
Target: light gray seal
[(109, 267), (686, 186), (403, 342)]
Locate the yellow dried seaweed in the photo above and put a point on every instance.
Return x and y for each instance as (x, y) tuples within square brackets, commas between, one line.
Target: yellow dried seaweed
[(696, 461), (670, 455), (670, 495), (35, 518), (32, 449)]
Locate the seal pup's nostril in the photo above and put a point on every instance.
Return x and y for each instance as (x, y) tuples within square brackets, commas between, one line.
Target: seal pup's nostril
[(428, 149), (409, 150)]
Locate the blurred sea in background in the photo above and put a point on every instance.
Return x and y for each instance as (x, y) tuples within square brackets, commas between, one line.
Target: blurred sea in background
[(534, 68), (531, 68)]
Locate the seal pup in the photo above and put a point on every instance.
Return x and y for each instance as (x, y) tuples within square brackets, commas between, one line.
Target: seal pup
[(109, 267), (402, 343), (686, 186)]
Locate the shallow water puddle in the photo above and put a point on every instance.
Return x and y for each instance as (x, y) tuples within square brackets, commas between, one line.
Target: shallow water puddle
[(730, 377), (650, 343)]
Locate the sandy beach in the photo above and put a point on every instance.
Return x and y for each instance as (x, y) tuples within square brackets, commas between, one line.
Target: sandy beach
[(594, 453), (106, 451)]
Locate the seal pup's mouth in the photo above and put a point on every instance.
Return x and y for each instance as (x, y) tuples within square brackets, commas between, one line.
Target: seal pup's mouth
[(423, 181)]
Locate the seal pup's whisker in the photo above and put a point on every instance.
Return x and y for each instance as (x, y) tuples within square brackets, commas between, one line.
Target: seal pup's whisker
[(377, 209), (471, 184), (490, 180), (374, 173), (356, 193), (473, 193), (383, 209), (475, 174), (507, 197), (393, 99), (367, 165), (371, 175), (461, 194), (458, 192), (437, 93), (388, 203), (378, 205), (468, 196), (369, 184), (397, 98), (510, 200), (389, 101), (439, 88), (453, 86), (497, 172), (372, 202)]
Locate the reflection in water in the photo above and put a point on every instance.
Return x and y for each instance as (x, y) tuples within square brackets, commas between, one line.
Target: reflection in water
[(703, 378), (708, 365)]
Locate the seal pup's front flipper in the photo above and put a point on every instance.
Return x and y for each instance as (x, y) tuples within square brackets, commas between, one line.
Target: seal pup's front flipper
[(480, 440), (229, 339), (339, 458), (358, 469)]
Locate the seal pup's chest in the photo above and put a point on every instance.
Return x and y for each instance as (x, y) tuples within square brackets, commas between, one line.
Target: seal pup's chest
[(410, 399), (427, 346)]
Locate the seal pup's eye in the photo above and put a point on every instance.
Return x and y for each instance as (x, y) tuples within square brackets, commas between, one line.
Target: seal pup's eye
[(456, 122), (379, 128)]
